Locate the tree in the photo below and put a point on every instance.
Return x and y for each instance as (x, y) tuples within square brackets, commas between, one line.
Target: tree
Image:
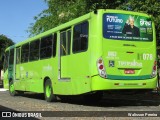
[(56, 14), (4, 43), (59, 12)]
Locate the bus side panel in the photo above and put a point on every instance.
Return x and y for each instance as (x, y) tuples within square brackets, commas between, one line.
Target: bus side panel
[(35, 81), (30, 77), (80, 72), (19, 78), (49, 70), (95, 41), (66, 80), (5, 80)]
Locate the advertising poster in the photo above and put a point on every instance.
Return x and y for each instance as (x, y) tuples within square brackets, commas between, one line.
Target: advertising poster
[(127, 27)]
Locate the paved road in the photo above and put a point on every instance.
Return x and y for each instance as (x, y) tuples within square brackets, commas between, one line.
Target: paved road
[(35, 102)]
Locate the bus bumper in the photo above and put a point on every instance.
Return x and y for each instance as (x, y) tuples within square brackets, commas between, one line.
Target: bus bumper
[(99, 83)]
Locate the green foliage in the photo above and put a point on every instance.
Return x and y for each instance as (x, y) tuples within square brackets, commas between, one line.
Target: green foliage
[(103, 4), (4, 43), (60, 11)]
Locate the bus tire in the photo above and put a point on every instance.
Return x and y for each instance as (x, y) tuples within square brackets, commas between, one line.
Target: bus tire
[(12, 90), (48, 92)]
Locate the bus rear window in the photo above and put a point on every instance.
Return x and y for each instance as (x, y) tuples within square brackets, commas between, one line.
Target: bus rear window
[(127, 27)]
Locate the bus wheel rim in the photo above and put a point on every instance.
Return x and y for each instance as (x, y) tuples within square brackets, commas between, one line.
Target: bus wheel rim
[(48, 91), (12, 88)]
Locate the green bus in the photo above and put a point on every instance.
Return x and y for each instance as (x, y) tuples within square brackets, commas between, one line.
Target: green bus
[(103, 50)]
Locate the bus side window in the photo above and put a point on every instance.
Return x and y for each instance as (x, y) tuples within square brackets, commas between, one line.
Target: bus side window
[(46, 47), (80, 37), (65, 42), (5, 67), (11, 57), (34, 50), (54, 44), (68, 41), (18, 56), (24, 53)]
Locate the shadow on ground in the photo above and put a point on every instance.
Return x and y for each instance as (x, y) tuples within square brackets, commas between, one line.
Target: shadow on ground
[(2, 109), (109, 100)]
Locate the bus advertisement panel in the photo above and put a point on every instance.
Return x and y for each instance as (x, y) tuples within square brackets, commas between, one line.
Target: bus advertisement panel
[(127, 27)]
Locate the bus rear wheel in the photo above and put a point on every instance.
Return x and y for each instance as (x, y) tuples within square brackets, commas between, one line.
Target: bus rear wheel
[(12, 91), (48, 92)]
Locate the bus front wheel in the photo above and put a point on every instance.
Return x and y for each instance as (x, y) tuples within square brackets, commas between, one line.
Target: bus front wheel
[(12, 91), (48, 92)]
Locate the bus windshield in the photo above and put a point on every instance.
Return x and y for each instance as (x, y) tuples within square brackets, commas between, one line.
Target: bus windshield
[(117, 26)]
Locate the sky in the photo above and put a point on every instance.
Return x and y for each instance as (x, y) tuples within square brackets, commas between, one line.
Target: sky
[(17, 15)]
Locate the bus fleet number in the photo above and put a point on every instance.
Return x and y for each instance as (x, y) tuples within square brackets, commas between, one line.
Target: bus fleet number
[(147, 57)]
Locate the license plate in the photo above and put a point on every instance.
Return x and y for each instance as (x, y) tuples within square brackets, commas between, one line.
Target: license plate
[(129, 71)]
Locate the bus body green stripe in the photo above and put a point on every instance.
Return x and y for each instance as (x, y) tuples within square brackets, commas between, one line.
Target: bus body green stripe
[(117, 77)]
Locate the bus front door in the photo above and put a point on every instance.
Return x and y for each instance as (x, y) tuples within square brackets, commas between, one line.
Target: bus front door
[(18, 80), (64, 55), (11, 65)]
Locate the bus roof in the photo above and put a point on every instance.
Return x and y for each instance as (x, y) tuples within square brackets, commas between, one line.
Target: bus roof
[(73, 22)]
